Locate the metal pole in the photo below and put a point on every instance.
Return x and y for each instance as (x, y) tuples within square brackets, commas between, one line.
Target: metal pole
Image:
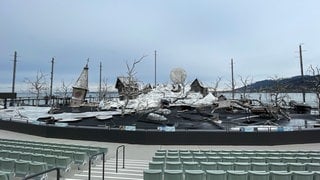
[(302, 75), (232, 79), (155, 69), (14, 71), (51, 79), (14, 75), (100, 81)]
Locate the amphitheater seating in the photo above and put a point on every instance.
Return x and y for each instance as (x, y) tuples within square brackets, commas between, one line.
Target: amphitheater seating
[(234, 165), (21, 158)]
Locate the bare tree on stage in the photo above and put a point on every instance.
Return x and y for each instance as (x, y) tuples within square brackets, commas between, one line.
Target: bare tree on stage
[(64, 90), (37, 85), (245, 82), (131, 88), (104, 89), (278, 92), (216, 85), (315, 71)]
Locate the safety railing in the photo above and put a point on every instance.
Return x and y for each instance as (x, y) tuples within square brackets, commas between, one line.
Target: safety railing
[(123, 156), (44, 172), (103, 162)]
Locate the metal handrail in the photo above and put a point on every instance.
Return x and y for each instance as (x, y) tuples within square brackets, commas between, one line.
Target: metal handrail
[(44, 172), (103, 161), (123, 156)]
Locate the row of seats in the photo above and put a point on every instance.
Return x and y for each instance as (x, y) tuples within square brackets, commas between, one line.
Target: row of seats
[(37, 147), (201, 158), (20, 168), (243, 166), (309, 154), (63, 160), (228, 175), (63, 156), (5, 175)]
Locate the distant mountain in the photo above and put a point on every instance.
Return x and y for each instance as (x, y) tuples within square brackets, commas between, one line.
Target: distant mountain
[(292, 84)]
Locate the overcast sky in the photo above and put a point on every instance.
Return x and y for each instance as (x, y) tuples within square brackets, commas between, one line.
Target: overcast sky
[(200, 36)]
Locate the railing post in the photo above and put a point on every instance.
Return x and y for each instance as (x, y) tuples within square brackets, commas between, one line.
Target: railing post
[(123, 156), (103, 161), (44, 172)]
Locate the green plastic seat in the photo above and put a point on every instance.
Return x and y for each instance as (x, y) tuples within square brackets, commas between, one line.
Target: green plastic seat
[(190, 166), (278, 167), (312, 166), (7, 165), (237, 175), (280, 175), (208, 166), (316, 175), (216, 175), (258, 159), (152, 174), (57, 152), (302, 175), (50, 160), (200, 153), (186, 158), (236, 154), (173, 153), (304, 160), (194, 175), (315, 159), (242, 166), (4, 153), (288, 159), (46, 151), (160, 153), (173, 165), (159, 158), (223, 154), (185, 153), (259, 167), (243, 159), (273, 160), (80, 158), (172, 158), (225, 166), (228, 159), (38, 167), (214, 159), (210, 153), (258, 175), (3, 176), (156, 165), (69, 154), (296, 167), (21, 168), (63, 163), (25, 156), (37, 157), (14, 155), (200, 158), (173, 175)]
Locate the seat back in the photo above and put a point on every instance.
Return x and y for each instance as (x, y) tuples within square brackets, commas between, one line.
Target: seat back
[(280, 175), (152, 174), (173, 175), (237, 175), (216, 175), (21, 168), (194, 175), (258, 175), (302, 175)]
